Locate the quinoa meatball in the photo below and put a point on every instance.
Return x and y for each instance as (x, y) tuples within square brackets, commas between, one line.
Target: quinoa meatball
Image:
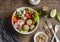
[(29, 21), (26, 27), (19, 27), (32, 27)]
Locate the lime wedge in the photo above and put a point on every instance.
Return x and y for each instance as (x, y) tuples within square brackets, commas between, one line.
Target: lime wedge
[(58, 17), (53, 13)]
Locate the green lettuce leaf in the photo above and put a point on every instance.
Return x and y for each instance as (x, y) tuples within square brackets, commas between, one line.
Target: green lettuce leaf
[(23, 31), (36, 17), (30, 10)]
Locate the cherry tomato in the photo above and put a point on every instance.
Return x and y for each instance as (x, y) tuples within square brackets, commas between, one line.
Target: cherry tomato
[(28, 15)]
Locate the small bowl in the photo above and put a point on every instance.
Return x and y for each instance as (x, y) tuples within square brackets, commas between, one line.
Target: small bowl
[(34, 3), (35, 37), (18, 30)]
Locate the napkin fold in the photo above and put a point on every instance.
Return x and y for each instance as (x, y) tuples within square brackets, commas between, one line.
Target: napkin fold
[(7, 33)]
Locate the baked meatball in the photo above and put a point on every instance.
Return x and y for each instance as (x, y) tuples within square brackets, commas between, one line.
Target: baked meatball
[(32, 27), (19, 27), (29, 21), (26, 27)]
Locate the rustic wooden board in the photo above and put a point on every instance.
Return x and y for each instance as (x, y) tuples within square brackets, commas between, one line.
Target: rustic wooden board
[(7, 7)]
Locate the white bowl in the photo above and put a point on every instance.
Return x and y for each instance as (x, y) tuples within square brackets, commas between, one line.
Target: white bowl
[(34, 3), (18, 30), (35, 37)]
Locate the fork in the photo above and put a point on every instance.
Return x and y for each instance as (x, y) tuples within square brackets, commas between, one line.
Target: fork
[(51, 27)]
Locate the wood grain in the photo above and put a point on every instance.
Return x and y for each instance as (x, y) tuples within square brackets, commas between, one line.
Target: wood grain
[(7, 7)]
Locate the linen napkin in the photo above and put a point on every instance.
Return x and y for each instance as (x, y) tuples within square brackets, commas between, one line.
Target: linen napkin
[(7, 34)]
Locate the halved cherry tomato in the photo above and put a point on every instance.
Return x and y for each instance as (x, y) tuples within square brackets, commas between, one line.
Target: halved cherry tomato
[(28, 15)]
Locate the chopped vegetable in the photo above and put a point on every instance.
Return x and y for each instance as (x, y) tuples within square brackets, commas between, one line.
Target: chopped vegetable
[(16, 25), (15, 19), (23, 31), (19, 12), (30, 10), (21, 22), (24, 12), (28, 16), (26, 19), (36, 17)]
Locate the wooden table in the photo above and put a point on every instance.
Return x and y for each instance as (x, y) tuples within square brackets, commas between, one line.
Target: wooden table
[(7, 7)]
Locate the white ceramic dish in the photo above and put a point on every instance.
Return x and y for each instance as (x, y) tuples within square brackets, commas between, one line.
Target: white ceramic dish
[(35, 37), (18, 30), (34, 2)]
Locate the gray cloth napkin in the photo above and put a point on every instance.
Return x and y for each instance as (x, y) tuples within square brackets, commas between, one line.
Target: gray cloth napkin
[(7, 34)]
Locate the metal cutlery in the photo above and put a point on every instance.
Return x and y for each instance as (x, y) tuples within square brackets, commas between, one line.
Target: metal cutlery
[(51, 27)]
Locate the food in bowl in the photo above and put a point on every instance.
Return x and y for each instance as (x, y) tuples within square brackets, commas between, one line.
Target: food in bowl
[(40, 37), (25, 20)]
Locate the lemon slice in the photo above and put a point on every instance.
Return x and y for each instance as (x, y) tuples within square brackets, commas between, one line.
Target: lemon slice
[(53, 13)]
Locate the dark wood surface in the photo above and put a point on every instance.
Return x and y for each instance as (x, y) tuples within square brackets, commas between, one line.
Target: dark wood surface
[(7, 7)]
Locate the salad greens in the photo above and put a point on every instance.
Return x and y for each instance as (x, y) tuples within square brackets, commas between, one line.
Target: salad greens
[(23, 31), (36, 17), (19, 12), (23, 19), (30, 10)]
